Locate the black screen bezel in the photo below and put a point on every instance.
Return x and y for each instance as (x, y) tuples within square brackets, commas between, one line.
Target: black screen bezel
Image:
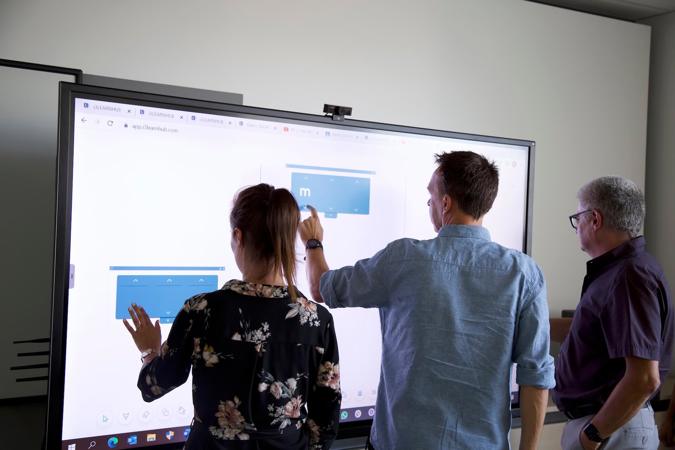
[(67, 95)]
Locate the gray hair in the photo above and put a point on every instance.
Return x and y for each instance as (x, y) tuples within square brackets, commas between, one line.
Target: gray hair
[(620, 201)]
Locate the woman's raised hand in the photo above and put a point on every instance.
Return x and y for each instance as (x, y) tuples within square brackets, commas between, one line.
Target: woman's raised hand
[(146, 335)]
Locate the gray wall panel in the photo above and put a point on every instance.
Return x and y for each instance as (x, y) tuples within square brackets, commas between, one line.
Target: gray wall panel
[(28, 129)]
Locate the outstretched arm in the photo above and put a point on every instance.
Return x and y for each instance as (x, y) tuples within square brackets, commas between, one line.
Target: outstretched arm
[(166, 367), (311, 228)]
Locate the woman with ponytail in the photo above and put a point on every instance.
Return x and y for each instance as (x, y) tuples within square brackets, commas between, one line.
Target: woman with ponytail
[(264, 359)]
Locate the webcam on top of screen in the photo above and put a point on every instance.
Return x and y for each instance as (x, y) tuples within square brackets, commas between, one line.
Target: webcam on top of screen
[(337, 112)]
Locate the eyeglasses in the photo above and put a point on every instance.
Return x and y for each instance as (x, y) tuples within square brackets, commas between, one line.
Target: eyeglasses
[(574, 218)]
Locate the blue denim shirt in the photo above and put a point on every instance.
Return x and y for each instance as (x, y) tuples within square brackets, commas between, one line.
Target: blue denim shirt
[(456, 312)]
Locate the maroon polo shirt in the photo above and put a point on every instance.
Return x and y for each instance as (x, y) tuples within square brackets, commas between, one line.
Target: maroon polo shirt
[(625, 310)]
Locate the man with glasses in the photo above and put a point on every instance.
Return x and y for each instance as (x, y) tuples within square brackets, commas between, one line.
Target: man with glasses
[(616, 349)]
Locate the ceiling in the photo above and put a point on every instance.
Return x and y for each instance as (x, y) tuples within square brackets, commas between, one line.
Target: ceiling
[(633, 10)]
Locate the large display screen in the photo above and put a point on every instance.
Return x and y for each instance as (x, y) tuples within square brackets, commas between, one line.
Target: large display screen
[(145, 188)]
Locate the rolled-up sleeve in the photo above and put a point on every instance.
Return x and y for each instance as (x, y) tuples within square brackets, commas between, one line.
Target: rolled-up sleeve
[(534, 364), (363, 285)]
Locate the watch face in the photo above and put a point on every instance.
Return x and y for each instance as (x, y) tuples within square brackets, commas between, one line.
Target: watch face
[(592, 433), (314, 243)]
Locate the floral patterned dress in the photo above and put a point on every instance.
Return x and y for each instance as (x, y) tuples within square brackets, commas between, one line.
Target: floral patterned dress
[(265, 369)]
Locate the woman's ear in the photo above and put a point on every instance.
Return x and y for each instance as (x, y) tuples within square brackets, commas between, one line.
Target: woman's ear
[(237, 237)]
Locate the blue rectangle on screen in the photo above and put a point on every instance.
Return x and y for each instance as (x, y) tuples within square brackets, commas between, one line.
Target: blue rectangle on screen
[(332, 194), (161, 296)]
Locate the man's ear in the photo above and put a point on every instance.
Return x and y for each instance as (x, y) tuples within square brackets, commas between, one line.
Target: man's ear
[(598, 220), (447, 203)]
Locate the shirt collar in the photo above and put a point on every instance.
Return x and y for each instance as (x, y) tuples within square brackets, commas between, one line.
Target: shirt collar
[(465, 231), (628, 248), (256, 289)]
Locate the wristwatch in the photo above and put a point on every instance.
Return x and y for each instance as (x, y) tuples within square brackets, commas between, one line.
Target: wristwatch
[(313, 243), (593, 435)]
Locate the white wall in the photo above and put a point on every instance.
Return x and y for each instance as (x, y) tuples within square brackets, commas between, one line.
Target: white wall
[(574, 83)]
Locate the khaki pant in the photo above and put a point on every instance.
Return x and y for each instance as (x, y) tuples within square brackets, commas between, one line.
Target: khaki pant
[(639, 433)]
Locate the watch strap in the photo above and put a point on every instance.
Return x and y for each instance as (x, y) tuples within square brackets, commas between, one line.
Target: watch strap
[(313, 243), (592, 434)]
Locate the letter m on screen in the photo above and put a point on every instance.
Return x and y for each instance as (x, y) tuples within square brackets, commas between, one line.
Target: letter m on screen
[(332, 194)]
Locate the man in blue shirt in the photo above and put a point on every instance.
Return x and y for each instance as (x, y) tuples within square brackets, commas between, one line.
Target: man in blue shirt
[(456, 312)]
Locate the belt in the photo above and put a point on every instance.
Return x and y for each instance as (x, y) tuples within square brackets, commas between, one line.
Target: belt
[(582, 411), (588, 410)]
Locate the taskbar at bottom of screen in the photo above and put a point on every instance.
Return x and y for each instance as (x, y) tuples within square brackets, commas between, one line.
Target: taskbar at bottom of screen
[(356, 414), (146, 438), (164, 436)]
